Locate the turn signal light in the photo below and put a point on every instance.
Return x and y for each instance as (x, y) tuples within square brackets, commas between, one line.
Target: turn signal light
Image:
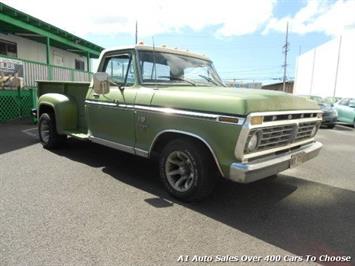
[(228, 119), (257, 120)]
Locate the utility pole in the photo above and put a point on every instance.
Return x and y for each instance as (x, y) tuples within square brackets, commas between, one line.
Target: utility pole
[(285, 51), (337, 67), (136, 39)]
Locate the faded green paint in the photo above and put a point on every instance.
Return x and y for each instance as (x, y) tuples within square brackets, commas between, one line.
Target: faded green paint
[(229, 100), (65, 110), (67, 100), (124, 124)]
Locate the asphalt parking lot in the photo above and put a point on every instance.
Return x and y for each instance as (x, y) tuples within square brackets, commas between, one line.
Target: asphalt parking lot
[(90, 205)]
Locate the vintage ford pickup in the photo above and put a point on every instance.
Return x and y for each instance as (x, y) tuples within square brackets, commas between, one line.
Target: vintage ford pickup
[(171, 105)]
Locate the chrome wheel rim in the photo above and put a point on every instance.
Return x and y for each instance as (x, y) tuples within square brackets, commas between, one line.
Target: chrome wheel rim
[(179, 171), (44, 131)]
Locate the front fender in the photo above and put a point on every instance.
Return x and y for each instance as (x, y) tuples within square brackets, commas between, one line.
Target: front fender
[(65, 110)]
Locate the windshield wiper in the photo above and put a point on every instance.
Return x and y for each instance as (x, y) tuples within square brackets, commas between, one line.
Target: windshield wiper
[(210, 80), (177, 78)]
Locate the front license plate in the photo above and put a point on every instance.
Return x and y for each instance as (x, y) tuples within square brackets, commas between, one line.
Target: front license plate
[(297, 159)]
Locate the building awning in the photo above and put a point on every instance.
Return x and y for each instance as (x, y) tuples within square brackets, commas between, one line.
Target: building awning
[(13, 21)]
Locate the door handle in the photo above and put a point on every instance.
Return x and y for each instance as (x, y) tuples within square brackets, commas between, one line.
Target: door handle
[(96, 95)]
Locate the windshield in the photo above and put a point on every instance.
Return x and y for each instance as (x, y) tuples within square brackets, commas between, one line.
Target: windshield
[(162, 67)]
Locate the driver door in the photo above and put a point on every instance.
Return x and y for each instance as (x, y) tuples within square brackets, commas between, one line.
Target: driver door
[(111, 116)]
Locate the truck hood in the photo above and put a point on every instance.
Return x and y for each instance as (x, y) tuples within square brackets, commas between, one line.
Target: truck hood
[(226, 100)]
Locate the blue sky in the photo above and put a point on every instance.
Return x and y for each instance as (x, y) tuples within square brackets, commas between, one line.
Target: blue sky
[(244, 38), (255, 56), (251, 57)]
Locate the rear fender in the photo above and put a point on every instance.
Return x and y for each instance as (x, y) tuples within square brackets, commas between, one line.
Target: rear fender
[(64, 108)]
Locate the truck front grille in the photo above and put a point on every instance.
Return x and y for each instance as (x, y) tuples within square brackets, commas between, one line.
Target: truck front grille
[(282, 135), (305, 130), (276, 136)]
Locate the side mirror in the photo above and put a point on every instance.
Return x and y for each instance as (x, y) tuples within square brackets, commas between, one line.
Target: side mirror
[(101, 83)]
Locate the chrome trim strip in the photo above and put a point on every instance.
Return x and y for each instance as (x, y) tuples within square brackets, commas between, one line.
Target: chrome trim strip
[(120, 147), (287, 122), (264, 152), (285, 112), (167, 110), (126, 106), (112, 144), (191, 135), (142, 153), (100, 103)]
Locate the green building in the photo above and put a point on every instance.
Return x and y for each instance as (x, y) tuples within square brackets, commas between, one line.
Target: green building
[(30, 50)]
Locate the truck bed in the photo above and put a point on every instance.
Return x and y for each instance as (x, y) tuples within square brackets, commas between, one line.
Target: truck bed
[(76, 91)]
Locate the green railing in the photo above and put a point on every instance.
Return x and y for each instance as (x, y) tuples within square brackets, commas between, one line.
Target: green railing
[(18, 103), (39, 71)]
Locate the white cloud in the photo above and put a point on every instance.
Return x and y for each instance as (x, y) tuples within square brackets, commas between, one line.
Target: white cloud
[(330, 18), (107, 17)]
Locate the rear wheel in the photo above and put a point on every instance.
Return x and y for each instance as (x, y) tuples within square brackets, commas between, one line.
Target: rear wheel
[(187, 170), (331, 126), (47, 132)]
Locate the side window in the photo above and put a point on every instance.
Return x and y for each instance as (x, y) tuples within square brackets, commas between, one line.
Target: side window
[(8, 48), (120, 69), (344, 102), (148, 71)]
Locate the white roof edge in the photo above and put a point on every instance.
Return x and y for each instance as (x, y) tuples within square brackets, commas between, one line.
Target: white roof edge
[(157, 48)]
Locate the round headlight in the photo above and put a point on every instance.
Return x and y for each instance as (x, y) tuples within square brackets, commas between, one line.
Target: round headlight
[(253, 142)]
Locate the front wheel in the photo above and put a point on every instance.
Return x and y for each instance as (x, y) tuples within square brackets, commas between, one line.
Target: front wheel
[(47, 132), (187, 170)]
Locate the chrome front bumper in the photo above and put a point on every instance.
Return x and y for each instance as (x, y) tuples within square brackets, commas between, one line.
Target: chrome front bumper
[(253, 171)]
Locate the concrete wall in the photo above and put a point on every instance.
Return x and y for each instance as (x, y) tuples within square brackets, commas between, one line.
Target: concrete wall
[(328, 70), (35, 51)]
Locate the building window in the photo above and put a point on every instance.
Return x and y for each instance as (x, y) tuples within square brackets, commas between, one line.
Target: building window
[(79, 65), (8, 48)]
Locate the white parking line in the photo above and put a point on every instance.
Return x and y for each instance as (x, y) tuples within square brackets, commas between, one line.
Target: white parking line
[(30, 132)]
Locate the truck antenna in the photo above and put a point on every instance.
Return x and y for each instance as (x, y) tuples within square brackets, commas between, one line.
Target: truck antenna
[(154, 63)]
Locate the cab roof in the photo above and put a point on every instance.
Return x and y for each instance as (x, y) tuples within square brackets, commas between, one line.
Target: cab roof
[(157, 49)]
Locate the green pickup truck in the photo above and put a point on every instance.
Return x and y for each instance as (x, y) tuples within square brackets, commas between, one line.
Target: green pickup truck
[(171, 105)]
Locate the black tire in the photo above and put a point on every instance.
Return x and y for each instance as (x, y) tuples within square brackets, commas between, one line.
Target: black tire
[(47, 132), (198, 161), (331, 126)]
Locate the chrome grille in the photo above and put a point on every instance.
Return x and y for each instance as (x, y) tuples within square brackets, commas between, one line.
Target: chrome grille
[(305, 130), (277, 136)]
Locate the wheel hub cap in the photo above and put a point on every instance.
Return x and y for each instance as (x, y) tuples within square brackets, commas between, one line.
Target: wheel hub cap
[(179, 171), (44, 131)]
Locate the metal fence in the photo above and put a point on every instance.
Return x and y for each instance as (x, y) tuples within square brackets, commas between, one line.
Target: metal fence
[(18, 103)]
